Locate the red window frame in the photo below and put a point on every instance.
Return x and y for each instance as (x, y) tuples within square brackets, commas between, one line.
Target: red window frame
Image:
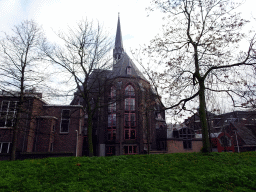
[(113, 92), (129, 126), (111, 134), (110, 150), (129, 104), (130, 150), (129, 91)]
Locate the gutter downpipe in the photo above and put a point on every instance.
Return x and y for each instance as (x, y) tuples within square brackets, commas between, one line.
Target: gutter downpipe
[(237, 143), (76, 142)]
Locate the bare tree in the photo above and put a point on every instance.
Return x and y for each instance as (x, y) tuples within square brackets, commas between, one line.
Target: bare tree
[(19, 66), (83, 56), (199, 53)]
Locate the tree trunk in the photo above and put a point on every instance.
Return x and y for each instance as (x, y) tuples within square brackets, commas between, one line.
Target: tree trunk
[(89, 134), (203, 118)]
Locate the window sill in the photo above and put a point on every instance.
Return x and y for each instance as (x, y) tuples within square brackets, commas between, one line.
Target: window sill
[(6, 127)]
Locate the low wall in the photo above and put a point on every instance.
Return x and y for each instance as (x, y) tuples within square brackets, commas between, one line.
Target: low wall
[(176, 146), (36, 155)]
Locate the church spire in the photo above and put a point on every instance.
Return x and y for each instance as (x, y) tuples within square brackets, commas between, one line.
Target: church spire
[(118, 50)]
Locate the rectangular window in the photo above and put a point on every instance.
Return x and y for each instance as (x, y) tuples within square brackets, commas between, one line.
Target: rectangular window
[(110, 150), (187, 144), (129, 133), (5, 147), (111, 134), (131, 149), (65, 118), (53, 128), (129, 120), (130, 104), (8, 113), (51, 149)]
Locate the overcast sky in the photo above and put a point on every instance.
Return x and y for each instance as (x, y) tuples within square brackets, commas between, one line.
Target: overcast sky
[(54, 15)]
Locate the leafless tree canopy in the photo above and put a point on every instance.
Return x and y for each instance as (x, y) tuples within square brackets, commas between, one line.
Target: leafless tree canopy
[(83, 56), (19, 57), (199, 51)]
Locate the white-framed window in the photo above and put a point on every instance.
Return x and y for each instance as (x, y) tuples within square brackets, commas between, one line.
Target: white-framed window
[(8, 113), (65, 118), (5, 147)]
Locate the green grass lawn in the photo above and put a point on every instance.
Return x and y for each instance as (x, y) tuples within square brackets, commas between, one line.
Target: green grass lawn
[(165, 172)]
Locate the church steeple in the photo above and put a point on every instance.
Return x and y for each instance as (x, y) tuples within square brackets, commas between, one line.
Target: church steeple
[(118, 50)]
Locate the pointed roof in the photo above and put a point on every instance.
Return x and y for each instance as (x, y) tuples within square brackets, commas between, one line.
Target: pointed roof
[(122, 61), (119, 41)]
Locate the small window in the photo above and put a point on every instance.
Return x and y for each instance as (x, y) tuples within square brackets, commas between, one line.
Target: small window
[(65, 118), (5, 147), (187, 144), (129, 70), (113, 92), (110, 150), (51, 149), (53, 128)]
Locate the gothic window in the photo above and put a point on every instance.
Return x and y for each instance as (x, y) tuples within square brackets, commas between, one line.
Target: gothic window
[(8, 113), (112, 120), (129, 116), (131, 149), (111, 107), (113, 92), (129, 91), (65, 118), (129, 104), (111, 130)]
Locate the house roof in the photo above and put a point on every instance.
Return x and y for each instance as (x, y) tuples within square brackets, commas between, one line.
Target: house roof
[(120, 68), (245, 133)]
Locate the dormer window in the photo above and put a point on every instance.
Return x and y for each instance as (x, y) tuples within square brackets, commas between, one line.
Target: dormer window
[(129, 70)]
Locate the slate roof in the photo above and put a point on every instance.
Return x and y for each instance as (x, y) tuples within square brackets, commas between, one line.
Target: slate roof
[(245, 133), (120, 68)]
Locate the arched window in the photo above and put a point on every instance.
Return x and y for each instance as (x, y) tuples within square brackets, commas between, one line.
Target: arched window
[(112, 115), (113, 92), (129, 91), (129, 116)]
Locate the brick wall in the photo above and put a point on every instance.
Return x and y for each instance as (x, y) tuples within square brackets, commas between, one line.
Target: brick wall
[(176, 146)]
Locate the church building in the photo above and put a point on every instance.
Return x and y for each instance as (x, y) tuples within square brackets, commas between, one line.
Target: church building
[(131, 120)]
